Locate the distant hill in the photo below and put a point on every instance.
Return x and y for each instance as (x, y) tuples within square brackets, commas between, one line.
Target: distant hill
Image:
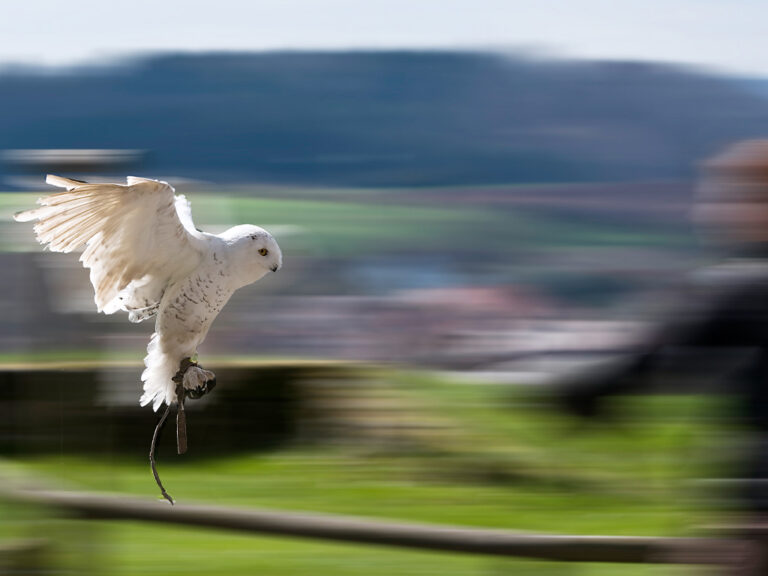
[(385, 118)]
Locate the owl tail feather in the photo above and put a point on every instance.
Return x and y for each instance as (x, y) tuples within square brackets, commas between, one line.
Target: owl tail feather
[(161, 366)]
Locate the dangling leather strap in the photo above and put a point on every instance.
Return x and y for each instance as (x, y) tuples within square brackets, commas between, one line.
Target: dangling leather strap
[(181, 421), (181, 415)]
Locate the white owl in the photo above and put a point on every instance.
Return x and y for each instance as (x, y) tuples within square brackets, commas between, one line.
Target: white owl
[(148, 259)]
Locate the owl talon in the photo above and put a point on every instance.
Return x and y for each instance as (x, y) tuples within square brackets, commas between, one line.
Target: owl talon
[(200, 391), (196, 381)]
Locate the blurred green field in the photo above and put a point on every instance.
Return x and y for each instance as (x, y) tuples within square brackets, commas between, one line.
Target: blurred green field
[(348, 224), (484, 456), (487, 456)]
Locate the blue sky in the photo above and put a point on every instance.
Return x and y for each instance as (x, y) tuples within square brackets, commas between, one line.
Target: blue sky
[(727, 36)]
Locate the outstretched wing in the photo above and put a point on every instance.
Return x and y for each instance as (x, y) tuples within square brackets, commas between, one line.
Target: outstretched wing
[(138, 232)]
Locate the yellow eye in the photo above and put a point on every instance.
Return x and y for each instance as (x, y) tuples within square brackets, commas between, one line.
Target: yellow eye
[(263, 251)]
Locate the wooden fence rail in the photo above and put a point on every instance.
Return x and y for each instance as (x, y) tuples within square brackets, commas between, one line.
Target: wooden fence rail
[(626, 549)]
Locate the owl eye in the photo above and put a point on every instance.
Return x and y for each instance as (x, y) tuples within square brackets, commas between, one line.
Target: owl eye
[(263, 251)]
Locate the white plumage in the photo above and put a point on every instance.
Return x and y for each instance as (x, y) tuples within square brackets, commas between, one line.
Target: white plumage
[(147, 258)]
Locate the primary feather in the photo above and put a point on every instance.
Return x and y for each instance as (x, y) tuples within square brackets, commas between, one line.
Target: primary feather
[(147, 258), (131, 232)]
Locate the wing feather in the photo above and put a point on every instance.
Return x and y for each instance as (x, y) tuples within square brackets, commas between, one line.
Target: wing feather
[(137, 231)]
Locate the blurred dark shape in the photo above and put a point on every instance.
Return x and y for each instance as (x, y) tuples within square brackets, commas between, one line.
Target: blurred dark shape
[(69, 161), (263, 406), (25, 556), (28, 168), (732, 199), (721, 314), (743, 160)]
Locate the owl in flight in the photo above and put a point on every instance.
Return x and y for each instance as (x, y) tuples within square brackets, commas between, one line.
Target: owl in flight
[(147, 258)]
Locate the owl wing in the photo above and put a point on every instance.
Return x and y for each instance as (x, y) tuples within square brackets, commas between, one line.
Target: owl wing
[(139, 232)]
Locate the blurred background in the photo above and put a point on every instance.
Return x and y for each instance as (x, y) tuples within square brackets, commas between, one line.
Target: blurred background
[(473, 199)]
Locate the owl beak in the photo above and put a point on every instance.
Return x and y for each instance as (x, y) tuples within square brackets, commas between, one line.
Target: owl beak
[(274, 268)]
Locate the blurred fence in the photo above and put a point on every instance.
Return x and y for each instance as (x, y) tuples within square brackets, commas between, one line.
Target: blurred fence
[(730, 552)]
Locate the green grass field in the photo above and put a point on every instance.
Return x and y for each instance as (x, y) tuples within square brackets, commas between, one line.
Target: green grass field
[(493, 458), (350, 224)]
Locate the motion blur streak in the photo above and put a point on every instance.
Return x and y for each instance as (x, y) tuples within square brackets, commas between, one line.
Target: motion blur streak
[(488, 262)]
